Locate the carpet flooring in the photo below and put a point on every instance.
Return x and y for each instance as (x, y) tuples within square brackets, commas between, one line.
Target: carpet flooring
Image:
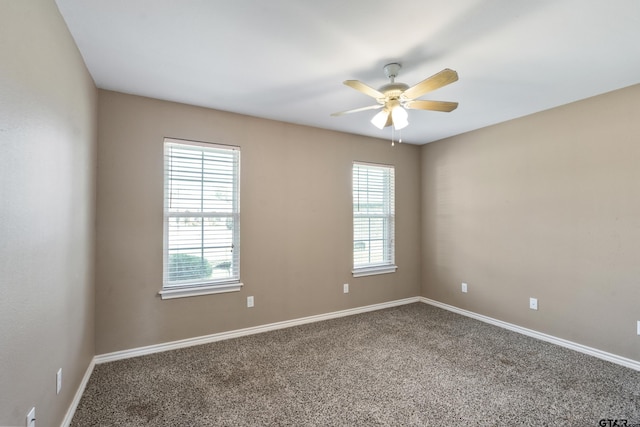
[(413, 365)]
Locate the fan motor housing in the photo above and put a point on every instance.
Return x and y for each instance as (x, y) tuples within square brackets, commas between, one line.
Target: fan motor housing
[(393, 90)]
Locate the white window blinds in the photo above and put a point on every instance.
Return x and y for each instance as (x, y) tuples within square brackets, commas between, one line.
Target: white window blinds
[(201, 215), (373, 219)]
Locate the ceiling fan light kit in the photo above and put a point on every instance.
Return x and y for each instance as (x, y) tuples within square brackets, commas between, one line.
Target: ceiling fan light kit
[(399, 117), (380, 119), (395, 97)]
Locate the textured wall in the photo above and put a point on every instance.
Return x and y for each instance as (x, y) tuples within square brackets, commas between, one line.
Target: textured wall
[(295, 205), (545, 206), (47, 166)]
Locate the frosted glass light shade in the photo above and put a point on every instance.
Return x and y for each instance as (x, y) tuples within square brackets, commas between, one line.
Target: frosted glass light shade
[(380, 119), (399, 116)]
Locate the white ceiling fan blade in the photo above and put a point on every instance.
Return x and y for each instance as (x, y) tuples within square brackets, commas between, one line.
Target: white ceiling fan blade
[(429, 84), (363, 88), (357, 110), (443, 106)]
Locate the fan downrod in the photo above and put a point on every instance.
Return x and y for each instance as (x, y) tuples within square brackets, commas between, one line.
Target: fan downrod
[(391, 70), (392, 90)]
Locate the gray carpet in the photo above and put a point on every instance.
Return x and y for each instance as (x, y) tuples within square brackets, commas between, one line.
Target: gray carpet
[(414, 365)]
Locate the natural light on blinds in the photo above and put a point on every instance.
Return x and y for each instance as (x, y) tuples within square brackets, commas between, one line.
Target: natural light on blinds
[(201, 214), (373, 216)]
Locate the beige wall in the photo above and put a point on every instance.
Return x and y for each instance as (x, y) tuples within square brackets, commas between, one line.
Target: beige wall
[(545, 206), (47, 161), (295, 222)]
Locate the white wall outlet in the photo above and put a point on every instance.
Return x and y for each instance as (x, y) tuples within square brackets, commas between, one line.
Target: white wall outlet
[(464, 287), (533, 303), (638, 331), (345, 288), (250, 302), (31, 418), (58, 381)]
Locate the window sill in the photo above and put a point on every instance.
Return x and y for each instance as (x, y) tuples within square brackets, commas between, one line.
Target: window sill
[(193, 291), (371, 271)]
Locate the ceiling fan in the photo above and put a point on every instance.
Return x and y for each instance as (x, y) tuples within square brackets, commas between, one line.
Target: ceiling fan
[(394, 97)]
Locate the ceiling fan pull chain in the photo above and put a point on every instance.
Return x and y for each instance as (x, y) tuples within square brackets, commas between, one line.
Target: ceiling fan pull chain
[(393, 136)]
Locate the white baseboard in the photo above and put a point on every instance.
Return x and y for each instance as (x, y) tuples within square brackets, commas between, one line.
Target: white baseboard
[(629, 363), (66, 422), (141, 351)]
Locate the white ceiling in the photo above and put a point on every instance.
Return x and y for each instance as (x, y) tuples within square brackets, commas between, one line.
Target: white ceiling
[(286, 59)]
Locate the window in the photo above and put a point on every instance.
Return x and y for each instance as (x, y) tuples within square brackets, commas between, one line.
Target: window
[(373, 219), (201, 219)]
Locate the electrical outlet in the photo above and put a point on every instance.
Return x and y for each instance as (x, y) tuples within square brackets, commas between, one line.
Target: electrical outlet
[(58, 381), (533, 303), (345, 288), (464, 287), (31, 418), (250, 302)]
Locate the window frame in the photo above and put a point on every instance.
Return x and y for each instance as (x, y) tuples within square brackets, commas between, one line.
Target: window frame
[(194, 287), (388, 263)]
